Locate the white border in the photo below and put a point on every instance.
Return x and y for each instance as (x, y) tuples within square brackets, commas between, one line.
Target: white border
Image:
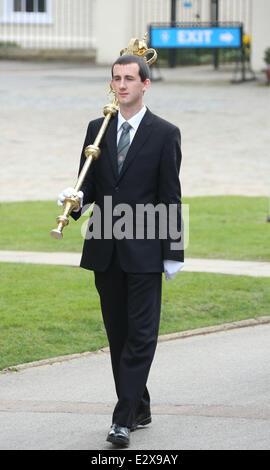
[(10, 16)]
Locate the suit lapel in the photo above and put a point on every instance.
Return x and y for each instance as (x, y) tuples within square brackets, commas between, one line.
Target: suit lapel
[(110, 138), (140, 137)]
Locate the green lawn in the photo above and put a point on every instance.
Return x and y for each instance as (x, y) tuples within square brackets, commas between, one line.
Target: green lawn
[(228, 227), (47, 311)]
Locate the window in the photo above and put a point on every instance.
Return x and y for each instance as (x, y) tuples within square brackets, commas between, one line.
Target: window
[(29, 6), (27, 11)]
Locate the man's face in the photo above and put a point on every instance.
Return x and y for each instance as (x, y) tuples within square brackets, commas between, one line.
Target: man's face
[(127, 84)]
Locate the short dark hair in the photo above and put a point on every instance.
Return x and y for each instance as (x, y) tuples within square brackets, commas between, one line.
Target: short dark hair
[(144, 71)]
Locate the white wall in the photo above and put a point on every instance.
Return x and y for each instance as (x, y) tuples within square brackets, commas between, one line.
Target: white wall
[(112, 26), (260, 33)]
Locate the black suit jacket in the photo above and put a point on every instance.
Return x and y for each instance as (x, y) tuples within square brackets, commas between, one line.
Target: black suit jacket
[(150, 175)]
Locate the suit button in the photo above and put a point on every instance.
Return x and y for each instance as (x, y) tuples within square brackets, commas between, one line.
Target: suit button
[(116, 188)]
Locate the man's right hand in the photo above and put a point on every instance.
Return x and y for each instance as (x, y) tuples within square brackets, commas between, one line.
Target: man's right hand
[(69, 192)]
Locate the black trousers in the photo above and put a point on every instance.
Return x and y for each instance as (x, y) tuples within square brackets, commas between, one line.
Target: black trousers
[(130, 304)]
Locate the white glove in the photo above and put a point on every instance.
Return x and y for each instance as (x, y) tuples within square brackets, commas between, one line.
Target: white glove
[(171, 268), (68, 192)]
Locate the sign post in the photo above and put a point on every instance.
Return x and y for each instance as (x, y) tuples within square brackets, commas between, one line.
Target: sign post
[(172, 52), (214, 18)]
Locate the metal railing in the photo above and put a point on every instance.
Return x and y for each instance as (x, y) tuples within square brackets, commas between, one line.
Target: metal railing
[(47, 24)]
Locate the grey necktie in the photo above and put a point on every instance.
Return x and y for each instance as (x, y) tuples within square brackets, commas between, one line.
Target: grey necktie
[(123, 145)]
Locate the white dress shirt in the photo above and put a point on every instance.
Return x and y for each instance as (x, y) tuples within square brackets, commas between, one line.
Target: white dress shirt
[(134, 122), (171, 267)]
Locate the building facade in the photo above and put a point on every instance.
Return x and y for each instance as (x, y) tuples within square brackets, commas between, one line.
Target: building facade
[(106, 26), (48, 24)]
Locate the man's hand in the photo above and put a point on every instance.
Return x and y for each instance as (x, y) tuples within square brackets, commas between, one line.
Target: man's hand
[(171, 268), (69, 192)]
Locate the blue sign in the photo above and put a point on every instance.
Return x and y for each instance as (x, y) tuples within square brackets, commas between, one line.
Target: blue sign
[(211, 37)]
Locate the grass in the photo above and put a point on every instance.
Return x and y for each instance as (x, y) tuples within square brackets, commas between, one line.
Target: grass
[(227, 227), (48, 311), (28, 224)]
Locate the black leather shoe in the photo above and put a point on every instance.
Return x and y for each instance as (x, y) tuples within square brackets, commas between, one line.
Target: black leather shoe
[(119, 435), (111, 433), (141, 420)]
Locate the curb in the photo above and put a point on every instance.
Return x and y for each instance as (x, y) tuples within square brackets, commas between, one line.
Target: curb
[(162, 338)]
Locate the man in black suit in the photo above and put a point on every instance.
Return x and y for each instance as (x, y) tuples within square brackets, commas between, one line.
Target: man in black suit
[(137, 171)]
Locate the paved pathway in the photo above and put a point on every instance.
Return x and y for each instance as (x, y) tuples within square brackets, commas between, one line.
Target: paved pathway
[(248, 268), (209, 391), (45, 109)]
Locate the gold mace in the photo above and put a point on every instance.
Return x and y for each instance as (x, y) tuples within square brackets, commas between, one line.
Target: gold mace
[(92, 152)]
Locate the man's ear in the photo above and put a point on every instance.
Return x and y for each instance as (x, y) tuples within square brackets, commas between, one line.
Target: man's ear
[(146, 84)]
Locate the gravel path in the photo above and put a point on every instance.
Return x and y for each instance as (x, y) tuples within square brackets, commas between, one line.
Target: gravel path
[(45, 109)]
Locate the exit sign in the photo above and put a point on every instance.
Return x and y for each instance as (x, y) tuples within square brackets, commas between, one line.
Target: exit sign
[(196, 36)]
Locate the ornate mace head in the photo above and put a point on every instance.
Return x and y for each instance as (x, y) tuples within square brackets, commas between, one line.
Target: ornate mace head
[(139, 47)]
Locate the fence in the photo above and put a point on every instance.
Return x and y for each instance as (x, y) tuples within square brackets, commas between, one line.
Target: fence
[(48, 24), (156, 11)]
